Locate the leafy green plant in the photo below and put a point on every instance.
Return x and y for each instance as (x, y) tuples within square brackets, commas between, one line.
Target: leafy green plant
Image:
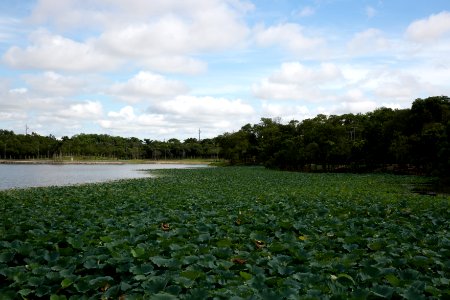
[(226, 232)]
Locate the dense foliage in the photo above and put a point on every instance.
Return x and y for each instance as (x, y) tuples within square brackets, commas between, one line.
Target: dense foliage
[(231, 232), (415, 140), (35, 146)]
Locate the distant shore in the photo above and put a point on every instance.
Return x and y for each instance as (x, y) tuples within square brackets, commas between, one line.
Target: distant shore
[(104, 162)]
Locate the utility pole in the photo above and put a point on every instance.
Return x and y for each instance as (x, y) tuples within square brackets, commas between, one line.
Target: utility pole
[(26, 129), (199, 131)]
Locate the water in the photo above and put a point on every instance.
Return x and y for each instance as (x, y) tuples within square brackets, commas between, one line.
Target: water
[(35, 175)]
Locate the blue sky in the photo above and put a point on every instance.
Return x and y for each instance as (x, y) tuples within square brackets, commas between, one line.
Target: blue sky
[(163, 69)]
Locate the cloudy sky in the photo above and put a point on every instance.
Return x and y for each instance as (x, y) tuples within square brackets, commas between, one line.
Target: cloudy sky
[(163, 69)]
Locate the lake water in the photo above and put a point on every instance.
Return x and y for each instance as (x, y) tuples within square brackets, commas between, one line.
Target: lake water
[(34, 175)]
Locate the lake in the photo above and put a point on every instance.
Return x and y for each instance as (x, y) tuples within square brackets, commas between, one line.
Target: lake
[(35, 175)]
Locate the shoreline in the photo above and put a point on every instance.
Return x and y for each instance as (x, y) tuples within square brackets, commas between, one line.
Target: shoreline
[(93, 162)]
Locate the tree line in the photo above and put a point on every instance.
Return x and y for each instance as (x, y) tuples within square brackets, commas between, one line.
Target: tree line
[(103, 146), (413, 140)]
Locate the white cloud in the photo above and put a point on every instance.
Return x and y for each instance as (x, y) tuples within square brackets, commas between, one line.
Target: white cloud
[(384, 84), (354, 95), (18, 91), (55, 52), (169, 35), (9, 29), (338, 89), (45, 115), (295, 81), (354, 100), (175, 64), (286, 112), (127, 122), (82, 111), (206, 108), (306, 11), (431, 29), (173, 35), (295, 72), (242, 6), (147, 86), (348, 107), (288, 35), (369, 41), (13, 116), (11, 104), (182, 116), (401, 86), (20, 99), (370, 12), (54, 84), (68, 14), (436, 73), (126, 113), (160, 34)]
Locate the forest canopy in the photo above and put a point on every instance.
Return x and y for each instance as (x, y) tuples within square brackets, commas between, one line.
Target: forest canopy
[(413, 140)]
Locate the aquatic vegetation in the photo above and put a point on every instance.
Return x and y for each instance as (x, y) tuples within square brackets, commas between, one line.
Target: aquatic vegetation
[(227, 232)]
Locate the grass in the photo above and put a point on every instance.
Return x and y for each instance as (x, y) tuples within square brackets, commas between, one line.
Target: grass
[(229, 232)]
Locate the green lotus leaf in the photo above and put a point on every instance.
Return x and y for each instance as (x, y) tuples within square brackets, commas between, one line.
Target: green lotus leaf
[(6, 256), (163, 296), (204, 237), (383, 291), (143, 269), (375, 245), (125, 286), (197, 293), (224, 243), (106, 239), (43, 290), (278, 247), (51, 256), (137, 252), (160, 261), (75, 242), (185, 282), (191, 274), (140, 277), (393, 280), (25, 292), (245, 275), (412, 294), (91, 263), (66, 282), (155, 284), (100, 281), (347, 277)]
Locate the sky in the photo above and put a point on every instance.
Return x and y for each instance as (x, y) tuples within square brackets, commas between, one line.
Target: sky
[(164, 69)]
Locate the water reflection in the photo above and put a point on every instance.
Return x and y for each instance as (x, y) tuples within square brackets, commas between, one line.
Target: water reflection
[(23, 176)]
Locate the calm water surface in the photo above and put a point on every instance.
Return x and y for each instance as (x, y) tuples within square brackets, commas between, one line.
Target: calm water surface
[(23, 176)]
